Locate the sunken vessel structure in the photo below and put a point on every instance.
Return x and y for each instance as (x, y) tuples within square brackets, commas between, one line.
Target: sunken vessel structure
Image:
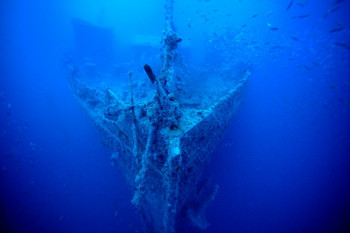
[(163, 129)]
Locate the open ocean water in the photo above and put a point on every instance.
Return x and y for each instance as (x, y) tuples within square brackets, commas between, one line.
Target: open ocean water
[(283, 164)]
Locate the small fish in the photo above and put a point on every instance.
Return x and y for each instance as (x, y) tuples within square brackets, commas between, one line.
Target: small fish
[(344, 45), (315, 63), (276, 47), (336, 29), (271, 27), (304, 16), (254, 16), (338, 1), (339, 23), (290, 5), (30, 163), (306, 67), (189, 25), (269, 13), (334, 9), (114, 158), (2, 97), (302, 3), (295, 38)]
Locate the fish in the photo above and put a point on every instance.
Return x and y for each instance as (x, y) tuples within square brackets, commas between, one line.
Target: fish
[(25, 124), (290, 5), (114, 158), (2, 97), (339, 23), (315, 63), (336, 29), (301, 16), (334, 9), (254, 16), (295, 38), (269, 13), (276, 47), (302, 3), (271, 27), (304, 16), (338, 1), (303, 66), (341, 44), (306, 67)]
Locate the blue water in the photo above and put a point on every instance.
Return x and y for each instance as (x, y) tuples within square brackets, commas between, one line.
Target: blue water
[(282, 166)]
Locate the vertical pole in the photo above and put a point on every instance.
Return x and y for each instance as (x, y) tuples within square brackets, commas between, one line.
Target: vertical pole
[(133, 127)]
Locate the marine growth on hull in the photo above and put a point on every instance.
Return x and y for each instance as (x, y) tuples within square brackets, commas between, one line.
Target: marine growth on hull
[(162, 123)]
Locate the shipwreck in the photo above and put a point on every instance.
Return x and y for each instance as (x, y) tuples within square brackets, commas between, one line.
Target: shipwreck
[(163, 131)]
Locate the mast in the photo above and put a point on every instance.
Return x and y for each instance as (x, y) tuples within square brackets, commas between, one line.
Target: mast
[(169, 46), (167, 82)]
